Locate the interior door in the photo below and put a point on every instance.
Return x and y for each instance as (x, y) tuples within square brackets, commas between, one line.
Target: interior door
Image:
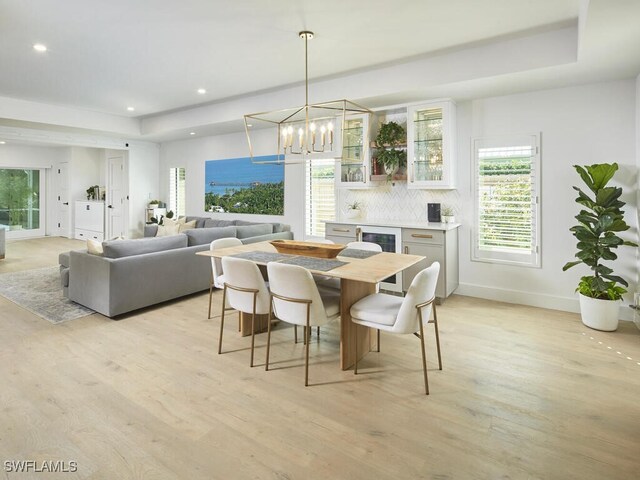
[(116, 196), (62, 200)]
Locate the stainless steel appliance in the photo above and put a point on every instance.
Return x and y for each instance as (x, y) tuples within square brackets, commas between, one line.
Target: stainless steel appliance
[(390, 239)]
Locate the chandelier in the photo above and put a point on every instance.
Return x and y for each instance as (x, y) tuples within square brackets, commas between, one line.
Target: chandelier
[(302, 133)]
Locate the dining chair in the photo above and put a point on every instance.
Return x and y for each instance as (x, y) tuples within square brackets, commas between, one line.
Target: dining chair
[(296, 299), (373, 247), (402, 315), (245, 291), (217, 277)]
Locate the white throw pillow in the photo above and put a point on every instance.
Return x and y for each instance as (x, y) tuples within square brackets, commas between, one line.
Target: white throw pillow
[(94, 247), (166, 230), (170, 222)]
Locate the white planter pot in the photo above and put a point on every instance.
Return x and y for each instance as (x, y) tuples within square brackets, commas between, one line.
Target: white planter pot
[(599, 314), (448, 219), (351, 213)]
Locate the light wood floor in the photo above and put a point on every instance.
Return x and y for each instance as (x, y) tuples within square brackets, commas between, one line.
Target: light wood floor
[(525, 393)]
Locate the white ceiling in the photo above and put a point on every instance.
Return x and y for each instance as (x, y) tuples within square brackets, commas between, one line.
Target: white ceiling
[(105, 55)]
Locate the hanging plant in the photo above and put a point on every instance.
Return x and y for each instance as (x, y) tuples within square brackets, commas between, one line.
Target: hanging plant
[(391, 136)]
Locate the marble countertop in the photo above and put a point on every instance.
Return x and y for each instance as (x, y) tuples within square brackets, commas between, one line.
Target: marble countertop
[(402, 224)]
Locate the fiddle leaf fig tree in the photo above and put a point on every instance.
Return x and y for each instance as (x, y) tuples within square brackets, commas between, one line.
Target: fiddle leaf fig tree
[(598, 222)]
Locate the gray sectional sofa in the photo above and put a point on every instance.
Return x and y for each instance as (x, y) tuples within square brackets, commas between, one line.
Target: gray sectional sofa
[(132, 274)]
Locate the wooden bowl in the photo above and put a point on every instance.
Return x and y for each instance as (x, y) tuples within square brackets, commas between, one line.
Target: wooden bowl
[(308, 249)]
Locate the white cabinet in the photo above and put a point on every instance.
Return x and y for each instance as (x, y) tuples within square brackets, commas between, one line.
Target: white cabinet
[(89, 220), (353, 169), (431, 145)]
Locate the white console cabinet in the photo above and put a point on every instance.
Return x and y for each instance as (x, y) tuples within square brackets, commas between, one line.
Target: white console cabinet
[(89, 220)]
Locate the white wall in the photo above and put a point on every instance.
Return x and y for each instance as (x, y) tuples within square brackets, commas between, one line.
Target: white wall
[(579, 125), (143, 170), (27, 156), (192, 155)]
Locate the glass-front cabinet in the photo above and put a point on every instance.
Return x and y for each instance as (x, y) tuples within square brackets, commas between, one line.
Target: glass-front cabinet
[(431, 145), (352, 169)]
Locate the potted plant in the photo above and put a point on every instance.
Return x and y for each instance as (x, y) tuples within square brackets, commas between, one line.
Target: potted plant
[(389, 138), (598, 222), (448, 214), (353, 210), (154, 203)]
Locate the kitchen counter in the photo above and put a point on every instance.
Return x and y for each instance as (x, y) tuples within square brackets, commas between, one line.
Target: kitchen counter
[(401, 224)]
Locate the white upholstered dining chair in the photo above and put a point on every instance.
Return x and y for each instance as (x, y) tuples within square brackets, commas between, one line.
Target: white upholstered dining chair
[(217, 277), (373, 247), (297, 300), (403, 315), (245, 291)]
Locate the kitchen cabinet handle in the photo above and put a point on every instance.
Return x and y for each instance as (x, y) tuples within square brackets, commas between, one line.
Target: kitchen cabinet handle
[(421, 235), (406, 250), (340, 229)]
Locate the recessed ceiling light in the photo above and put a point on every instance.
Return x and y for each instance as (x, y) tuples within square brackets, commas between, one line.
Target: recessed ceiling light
[(192, 133), (39, 47), (131, 109), (249, 125), (201, 91), (2, 142)]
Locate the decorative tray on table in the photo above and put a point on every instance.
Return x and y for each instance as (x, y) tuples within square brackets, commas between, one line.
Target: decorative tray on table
[(308, 249)]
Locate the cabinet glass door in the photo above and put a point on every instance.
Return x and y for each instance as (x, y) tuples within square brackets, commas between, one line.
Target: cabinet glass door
[(427, 145), (352, 165)]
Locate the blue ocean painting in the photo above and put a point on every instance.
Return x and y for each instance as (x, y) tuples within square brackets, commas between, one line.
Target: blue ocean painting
[(238, 185)]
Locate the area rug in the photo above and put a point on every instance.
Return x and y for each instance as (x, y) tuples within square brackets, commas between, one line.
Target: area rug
[(39, 291)]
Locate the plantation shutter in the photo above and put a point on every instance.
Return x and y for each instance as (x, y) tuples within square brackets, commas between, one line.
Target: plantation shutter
[(507, 178), (177, 191), (320, 195)]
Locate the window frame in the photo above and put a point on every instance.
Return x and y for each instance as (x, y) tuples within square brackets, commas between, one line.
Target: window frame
[(534, 258), (331, 161)]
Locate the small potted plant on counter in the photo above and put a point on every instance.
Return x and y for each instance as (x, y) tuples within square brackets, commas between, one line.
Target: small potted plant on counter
[(154, 204), (598, 222), (353, 210), (448, 214)]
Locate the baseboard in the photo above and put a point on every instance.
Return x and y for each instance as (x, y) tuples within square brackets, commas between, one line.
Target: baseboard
[(532, 299)]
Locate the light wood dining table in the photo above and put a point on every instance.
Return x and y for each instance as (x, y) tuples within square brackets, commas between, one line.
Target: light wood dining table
[(358, 278)]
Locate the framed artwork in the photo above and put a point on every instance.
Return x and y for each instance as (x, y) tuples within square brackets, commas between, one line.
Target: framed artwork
[(237, 185)]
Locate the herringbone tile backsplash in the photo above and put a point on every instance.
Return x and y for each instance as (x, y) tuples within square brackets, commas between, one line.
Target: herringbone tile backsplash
[(397, 203)]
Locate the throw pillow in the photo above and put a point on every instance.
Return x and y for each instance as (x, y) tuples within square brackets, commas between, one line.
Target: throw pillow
[(94, 247), (167, 230), (187, 226)]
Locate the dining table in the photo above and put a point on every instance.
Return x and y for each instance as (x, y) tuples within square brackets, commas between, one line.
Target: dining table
[(358, 278)]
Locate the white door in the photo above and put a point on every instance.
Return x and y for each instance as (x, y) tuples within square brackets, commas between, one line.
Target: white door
[(62, 200), (116, 196)]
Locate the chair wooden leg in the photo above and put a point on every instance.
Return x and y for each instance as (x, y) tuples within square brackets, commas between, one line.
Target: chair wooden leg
[(306, 361), (266, 364), (210, 295), (253, 326), (378, 340), (424, 354), (295, 333), (435, 324), (318, 333), (224, 302), (355, 336)]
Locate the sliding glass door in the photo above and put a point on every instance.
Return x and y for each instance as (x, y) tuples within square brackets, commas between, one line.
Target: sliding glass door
[(22, 201)]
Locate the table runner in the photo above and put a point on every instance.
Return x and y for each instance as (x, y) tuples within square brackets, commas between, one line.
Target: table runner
[(312, 263), (357, 253), (262, 257)]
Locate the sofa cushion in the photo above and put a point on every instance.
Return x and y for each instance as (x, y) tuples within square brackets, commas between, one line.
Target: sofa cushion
[(246, 231), (139, 246), (200, 236), (277, 227), (213, 222)]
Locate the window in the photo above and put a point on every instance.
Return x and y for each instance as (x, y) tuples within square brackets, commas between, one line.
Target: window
[(21, 197), (507, 200), (320, 195), (177, 191)]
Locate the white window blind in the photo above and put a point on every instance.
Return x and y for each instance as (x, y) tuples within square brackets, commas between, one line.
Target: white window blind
[(320, 195), (507, 200), (177, 191)]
